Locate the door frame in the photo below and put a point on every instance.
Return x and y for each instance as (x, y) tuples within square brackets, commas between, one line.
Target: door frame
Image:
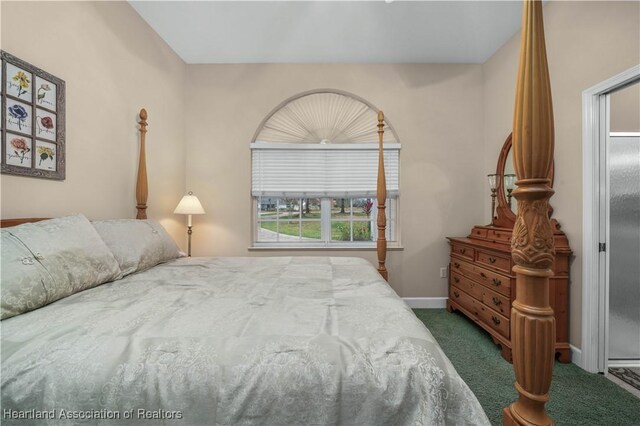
[(595, 306)]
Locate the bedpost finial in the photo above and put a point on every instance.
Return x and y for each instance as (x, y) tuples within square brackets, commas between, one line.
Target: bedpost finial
[(143, 120), (380, 116)]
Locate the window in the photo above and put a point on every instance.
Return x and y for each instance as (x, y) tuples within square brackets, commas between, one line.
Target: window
[(321, 221), (321, 195), (314, 167)]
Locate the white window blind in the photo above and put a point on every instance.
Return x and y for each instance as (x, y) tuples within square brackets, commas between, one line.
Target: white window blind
[(316, 170)]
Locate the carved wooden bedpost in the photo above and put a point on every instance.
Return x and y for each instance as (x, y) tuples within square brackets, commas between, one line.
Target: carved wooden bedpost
[(142, 189), (382, 199), (532, 246)]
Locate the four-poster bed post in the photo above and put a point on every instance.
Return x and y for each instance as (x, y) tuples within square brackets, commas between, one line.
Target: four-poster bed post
[(381, 244), (532, 244), (142, 189)]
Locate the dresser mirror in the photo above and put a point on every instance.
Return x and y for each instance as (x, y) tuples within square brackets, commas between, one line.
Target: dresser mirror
[(507, 206)]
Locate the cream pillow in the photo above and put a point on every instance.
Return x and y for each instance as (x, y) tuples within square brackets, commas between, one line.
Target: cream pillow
[(24, 279), (72, 253), (137, 244)]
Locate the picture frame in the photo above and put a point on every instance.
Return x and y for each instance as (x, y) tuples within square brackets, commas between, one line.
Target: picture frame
[(33, 120)]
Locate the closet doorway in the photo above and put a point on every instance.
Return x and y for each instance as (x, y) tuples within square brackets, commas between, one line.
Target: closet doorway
[(611, 224)]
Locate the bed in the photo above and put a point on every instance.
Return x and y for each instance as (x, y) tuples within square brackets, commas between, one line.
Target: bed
[(235, 341), (282, 340), (106, 321)]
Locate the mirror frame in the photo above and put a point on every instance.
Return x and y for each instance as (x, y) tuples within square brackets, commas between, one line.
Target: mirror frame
[(504, 217)]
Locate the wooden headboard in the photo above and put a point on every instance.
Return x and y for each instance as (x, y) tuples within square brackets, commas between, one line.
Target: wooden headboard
[(7, 223)]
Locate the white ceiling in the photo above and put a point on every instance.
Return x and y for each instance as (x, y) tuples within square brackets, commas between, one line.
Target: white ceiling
[(333, 31)]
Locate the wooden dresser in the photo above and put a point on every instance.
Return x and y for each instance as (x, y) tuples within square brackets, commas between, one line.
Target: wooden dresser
[(482, 285)]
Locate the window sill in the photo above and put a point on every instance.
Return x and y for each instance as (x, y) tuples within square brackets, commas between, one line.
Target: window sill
[(280, 247)]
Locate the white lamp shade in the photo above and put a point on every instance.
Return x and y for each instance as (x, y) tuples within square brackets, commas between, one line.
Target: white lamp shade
[(189, 205)]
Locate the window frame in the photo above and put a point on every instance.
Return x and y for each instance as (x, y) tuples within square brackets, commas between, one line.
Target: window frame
[(325, 242)]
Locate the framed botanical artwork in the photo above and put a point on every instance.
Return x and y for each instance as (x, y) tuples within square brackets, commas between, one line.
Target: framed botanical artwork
[(32, 122)]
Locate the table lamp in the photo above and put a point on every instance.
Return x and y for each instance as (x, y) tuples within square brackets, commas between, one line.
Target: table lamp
[(189, 205)]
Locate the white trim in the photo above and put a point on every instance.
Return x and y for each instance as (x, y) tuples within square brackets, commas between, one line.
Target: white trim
[(592, 302), (624, 134), (626, 363), (426, 302), (334, 247), (576, 356)]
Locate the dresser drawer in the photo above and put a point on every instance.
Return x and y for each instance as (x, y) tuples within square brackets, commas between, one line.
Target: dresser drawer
[(499, 262), (479, 232), (502, 235), (466, 285), (494, 320), (464, 300), (496, 301), (456, 265), (493, 280), (463, 251)]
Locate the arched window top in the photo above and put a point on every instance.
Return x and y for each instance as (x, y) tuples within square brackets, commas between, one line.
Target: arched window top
[(324, 116)]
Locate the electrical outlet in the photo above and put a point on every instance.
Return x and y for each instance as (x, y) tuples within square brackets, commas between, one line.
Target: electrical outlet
[(443, 272)]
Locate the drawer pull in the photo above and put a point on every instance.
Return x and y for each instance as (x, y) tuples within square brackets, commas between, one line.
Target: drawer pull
[(456, 279), (497, 282), (463, 250), (456, 294), (495, 319), (497, 301), (492, 260), (456, 265), (482, 274)]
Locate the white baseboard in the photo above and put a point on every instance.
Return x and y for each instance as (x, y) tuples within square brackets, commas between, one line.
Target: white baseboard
[(426, 302), (576, 356)]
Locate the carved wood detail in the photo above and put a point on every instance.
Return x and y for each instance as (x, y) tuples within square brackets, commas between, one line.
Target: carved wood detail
[(532, 241)]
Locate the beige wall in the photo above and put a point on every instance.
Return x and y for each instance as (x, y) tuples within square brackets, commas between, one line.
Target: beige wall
[(451, 121), (113, 64), (587, 42), (625, 109), (433, 108)]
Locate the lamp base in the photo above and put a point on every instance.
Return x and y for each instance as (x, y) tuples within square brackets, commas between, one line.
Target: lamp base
[(189, 232)]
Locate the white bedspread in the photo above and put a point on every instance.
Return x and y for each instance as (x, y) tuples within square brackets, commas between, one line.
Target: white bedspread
[(276, 341)]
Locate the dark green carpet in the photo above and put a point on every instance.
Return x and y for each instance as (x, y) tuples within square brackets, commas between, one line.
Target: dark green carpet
[(577, 397)]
